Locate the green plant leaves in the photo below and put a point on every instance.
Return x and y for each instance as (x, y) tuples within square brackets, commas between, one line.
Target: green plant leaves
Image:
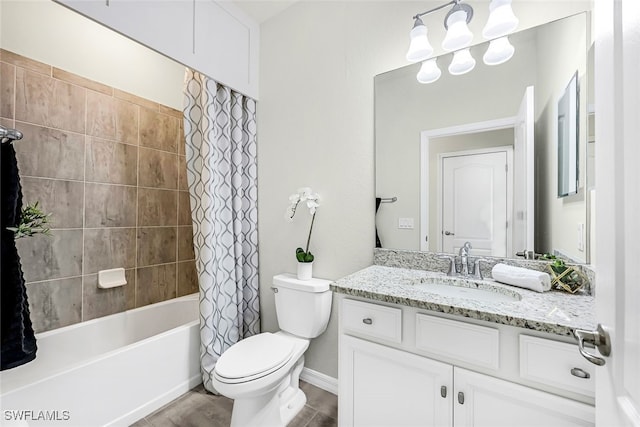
[(303, 256), (32, 221)]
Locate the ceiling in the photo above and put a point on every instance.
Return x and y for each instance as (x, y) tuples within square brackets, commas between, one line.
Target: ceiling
[(262, 10)]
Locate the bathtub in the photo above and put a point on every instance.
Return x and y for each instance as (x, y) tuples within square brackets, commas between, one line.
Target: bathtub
[(109, 371)]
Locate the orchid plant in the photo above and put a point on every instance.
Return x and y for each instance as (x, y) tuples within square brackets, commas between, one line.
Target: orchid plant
[(305, 196)]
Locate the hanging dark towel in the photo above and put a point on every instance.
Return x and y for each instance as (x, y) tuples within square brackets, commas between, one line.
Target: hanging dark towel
[(378, 243), (18, 339)]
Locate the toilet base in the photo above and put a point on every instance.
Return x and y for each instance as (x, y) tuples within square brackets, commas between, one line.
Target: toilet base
[(275, 408)]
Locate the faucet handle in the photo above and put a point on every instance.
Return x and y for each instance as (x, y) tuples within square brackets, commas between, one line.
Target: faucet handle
[(477, 273), (452, 264)]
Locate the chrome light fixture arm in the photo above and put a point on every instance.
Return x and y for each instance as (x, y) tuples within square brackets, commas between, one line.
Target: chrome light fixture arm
[(435, 9)]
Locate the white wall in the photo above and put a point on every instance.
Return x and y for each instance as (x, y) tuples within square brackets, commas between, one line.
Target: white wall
[(50, 33), (315, 127), (559, 217)]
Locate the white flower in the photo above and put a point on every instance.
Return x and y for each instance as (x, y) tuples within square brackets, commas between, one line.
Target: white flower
[(306, 195), (312, 205)]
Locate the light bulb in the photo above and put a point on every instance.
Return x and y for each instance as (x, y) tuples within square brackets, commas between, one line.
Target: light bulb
[(499, 51), (458, 33), (429, 72), (420, 49), (501, 20), (462, 62)]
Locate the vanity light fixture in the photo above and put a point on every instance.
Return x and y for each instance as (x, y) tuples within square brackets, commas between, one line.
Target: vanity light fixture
[(462, 62), (499, 51), (501, 22), (429, 71)]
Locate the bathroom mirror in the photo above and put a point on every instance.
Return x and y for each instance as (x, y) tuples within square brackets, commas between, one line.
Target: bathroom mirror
[(424, 131), (568, 132)]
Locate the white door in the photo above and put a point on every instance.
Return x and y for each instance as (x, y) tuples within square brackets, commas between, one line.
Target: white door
[(483, 401), (474, 203), (523, 179), (617, 107), (382, 386)]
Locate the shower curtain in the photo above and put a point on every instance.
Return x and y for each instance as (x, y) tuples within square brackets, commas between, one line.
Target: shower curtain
[(220, 131)]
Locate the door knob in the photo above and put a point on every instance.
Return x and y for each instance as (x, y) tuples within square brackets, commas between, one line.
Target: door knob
[(600, 338), (448, 233)]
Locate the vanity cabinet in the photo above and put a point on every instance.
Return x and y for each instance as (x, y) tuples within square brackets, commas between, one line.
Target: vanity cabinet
[(213, 37), (389, 387), (482, 400), (400, 366)]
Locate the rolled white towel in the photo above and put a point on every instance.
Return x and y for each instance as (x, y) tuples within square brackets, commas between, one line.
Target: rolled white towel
[(522, 277)]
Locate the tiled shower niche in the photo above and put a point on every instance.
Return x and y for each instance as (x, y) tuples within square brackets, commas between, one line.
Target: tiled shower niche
[(110, 168)]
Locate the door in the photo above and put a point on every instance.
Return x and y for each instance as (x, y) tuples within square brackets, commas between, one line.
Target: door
[(382, 386), (474, 203), (617, 61), (523, 181), (483, 401)]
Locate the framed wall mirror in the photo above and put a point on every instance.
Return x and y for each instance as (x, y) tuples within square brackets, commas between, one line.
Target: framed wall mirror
[(473, 114), (568, 132)]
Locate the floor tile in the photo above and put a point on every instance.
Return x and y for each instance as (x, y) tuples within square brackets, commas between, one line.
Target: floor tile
[(320, 400), (199, 408)]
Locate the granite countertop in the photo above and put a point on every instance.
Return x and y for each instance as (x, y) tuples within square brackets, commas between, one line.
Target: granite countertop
[(554, 312)]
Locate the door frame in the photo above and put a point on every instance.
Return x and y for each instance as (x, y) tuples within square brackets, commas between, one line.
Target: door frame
[(440, 181), (617, 107), (425, 137)]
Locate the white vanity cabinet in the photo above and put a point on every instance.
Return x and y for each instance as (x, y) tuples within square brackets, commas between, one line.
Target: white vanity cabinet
[(401, 366), (482, 400), (213, 37), (389, 387)]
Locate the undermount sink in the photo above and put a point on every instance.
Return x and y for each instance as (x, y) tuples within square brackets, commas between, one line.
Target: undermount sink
[(473, 293)]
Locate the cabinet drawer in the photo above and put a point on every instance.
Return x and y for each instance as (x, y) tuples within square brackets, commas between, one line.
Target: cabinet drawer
[(557, 364), (478, 345), (373, 320)]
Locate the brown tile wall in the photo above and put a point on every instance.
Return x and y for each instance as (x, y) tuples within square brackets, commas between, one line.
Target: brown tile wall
[(110, 168)]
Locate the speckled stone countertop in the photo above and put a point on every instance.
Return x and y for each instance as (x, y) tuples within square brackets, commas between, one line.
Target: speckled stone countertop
[(553, 312)]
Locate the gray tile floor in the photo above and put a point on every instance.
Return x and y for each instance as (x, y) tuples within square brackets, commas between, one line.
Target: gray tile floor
[(199, 408)]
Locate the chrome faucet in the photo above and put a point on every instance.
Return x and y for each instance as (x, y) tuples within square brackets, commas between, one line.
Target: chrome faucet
[(464, 258)]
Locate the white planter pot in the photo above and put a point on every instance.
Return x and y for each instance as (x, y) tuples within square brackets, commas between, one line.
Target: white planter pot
[(305, 270)]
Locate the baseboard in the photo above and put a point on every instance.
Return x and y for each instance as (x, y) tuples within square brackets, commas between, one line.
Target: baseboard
[(320, 380)]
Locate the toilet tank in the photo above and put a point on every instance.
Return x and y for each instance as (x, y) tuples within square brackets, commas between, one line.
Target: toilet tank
[(302, 306)]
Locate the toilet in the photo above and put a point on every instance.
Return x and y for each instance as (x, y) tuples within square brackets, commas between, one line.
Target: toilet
[(261, 373)]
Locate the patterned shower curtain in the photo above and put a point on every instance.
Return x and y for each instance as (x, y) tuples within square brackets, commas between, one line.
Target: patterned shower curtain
[(220, 130)]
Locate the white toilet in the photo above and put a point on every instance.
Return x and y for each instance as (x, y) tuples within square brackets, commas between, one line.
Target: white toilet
[(261, 373)]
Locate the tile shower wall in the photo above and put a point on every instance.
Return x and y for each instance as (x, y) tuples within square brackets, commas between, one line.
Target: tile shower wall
[(110, 168)]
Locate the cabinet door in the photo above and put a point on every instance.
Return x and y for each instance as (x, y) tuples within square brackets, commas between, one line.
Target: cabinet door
[(226, 45), (382, 386), (165, 26), (483, 401)]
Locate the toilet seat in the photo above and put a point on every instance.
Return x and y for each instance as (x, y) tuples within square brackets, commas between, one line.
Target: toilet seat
[(254, 357)]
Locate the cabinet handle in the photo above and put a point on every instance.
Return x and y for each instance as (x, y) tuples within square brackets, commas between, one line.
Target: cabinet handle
[(367, 321), (443, 391), (461, 398), (580, 373)]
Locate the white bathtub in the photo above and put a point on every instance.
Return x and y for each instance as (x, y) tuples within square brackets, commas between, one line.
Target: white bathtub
[(109, 371)]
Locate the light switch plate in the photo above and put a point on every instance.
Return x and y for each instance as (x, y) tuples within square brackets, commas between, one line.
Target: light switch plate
[(405, 223)]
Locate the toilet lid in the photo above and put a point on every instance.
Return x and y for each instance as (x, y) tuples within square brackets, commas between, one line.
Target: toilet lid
[(254, 355)]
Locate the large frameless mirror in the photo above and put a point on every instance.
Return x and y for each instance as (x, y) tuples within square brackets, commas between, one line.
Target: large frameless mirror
[(441, 147)]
